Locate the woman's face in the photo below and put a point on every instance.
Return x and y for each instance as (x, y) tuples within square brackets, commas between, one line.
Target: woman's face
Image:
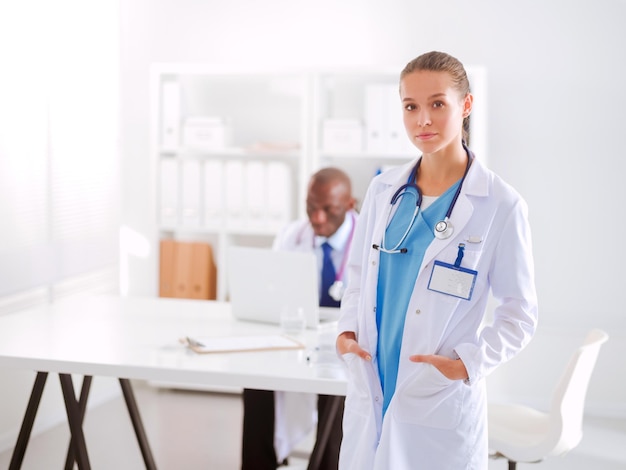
[(433, 110)]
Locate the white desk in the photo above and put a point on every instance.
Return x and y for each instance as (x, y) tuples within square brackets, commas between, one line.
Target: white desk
[(137, 338)]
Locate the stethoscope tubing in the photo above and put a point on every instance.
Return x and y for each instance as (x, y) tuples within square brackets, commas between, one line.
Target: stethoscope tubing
[(443, 229)]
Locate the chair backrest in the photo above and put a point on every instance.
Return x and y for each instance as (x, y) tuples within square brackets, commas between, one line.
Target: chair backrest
[(568, 400)]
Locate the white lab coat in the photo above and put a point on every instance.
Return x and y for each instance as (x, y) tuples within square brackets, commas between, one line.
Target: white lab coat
[(295, 414), (434, 423)]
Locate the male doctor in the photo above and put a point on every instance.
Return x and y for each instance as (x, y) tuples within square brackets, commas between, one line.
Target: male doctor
[(274, 422)]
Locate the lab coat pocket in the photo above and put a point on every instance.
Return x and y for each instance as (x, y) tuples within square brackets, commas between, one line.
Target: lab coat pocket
[(430, 399), (358, 391), (471, 257)]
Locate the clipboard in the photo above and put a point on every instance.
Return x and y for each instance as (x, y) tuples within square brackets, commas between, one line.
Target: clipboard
[(227, 344)]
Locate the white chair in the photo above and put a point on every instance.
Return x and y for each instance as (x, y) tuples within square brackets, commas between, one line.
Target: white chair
[(522, 434)]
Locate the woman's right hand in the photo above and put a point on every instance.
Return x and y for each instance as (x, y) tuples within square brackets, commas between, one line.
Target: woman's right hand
[(347, 343)]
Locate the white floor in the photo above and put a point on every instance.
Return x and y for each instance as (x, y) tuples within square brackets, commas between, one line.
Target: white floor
[(200, 430)]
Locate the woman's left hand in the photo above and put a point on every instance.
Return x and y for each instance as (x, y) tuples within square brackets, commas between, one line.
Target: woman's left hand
[(454, 369)]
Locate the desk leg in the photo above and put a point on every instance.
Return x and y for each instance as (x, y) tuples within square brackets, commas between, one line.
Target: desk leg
[(334, 408), (74, 419), (140, 432), (27, 422), (82, 404), (76, 410)]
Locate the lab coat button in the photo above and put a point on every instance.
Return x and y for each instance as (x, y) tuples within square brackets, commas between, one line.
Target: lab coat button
[(418, 311), (376, 398), (373, 263)]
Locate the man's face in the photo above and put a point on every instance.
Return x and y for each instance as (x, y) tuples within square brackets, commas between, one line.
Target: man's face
[(326, 206)]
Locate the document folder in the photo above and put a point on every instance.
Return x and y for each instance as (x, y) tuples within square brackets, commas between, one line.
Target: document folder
[(223, 344)]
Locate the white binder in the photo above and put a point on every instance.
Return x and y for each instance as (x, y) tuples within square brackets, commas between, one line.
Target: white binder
[(170, 118), (169, 193), (279, 194), (190, 210), (375, 114), (235, 199), (213, 194), (256, 194)]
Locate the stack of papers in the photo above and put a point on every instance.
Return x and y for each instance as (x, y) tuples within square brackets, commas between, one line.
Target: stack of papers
[(222, 344)]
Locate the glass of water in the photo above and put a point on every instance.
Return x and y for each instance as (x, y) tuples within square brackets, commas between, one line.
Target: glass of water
[(292, 321)]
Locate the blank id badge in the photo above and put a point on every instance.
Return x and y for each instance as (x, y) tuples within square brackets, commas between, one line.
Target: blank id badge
[(452, 280)]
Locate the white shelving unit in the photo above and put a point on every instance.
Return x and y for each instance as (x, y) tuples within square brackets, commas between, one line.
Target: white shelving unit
[(235, 148)]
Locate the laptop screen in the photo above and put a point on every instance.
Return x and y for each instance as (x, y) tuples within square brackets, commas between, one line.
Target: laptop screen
[(262, 283)]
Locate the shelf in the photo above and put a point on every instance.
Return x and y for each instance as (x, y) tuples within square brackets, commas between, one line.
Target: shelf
[(218, 132), (369, 156), (265, 153), (260, 231)]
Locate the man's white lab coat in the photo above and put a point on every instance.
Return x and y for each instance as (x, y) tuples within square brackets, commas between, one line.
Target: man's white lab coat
[(296, 413)]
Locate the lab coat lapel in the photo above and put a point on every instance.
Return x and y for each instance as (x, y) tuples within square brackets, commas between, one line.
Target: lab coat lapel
[(306, 239), (383, 201), (475, 184), (460, 216), (392, 179), (386, 185)]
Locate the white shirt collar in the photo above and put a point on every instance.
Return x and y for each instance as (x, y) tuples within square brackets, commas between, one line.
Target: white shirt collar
[(340, 238)]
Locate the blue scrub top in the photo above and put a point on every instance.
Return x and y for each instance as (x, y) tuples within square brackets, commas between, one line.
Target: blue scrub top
[(396, 278)]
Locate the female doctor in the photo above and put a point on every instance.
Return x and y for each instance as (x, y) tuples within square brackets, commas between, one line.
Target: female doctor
[(434, 237)]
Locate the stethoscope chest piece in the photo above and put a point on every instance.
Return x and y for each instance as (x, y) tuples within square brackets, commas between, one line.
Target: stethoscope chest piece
[(336, 290), (443, 229)]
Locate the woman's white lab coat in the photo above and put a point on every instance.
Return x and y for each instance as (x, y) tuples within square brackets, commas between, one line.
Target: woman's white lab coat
[(434, 423)]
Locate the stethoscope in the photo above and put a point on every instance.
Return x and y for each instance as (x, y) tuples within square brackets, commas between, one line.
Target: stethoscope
[(443, 229), (337, 288)]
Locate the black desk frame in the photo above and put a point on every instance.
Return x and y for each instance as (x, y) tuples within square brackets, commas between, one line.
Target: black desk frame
[(77, 450), (76, 410), (335, 405)]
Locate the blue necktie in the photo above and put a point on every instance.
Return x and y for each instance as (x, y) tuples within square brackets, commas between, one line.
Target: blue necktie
[(328, 277)]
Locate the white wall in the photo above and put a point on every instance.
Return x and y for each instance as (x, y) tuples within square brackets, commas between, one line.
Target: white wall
[(56, 239), (556, 120)]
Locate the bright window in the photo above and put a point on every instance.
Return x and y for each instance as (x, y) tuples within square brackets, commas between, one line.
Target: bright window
[(59, 156)]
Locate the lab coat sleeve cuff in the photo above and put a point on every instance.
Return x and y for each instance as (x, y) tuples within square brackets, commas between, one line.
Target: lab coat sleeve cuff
[(346, 325), (467, 353)]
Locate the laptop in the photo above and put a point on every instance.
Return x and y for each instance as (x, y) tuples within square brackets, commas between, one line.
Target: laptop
[(263, 282)]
